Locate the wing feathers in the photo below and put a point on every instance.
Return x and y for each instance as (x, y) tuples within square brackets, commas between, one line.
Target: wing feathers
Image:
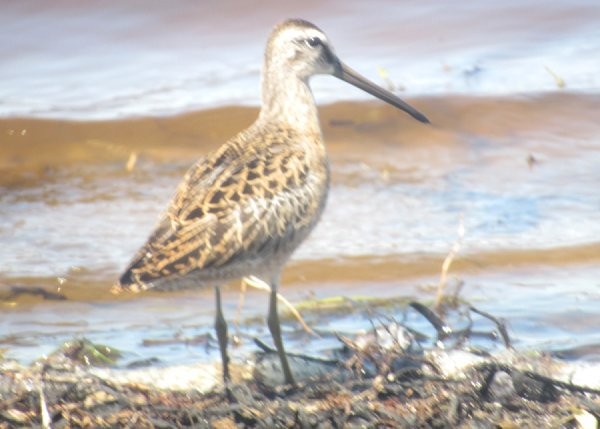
[(234, 206)]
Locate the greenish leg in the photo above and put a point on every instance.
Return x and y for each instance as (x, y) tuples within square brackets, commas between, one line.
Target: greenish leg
[(221, 328), (275, 328)]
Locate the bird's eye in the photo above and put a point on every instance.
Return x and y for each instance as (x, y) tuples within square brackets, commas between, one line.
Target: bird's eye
[(313, 42)]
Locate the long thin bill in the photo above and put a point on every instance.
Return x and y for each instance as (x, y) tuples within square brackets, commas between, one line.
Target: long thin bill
[(348, 75)]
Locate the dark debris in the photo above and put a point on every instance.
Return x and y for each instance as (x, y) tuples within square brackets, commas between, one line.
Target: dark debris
[(370, 385), (490, 396)]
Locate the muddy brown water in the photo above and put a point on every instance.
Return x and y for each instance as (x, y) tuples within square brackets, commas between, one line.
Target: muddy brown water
[(513, 156)]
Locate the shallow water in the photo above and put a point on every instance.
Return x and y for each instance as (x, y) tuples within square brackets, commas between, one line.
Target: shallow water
[(510, 154), (135, 58)]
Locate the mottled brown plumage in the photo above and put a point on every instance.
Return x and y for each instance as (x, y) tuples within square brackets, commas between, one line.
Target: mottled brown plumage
[(240, 211), (245, 208)]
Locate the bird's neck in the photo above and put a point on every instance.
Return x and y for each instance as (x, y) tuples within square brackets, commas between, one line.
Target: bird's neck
[(288, 100)]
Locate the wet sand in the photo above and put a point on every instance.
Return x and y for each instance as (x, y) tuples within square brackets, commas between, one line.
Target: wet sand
[(31, 146)]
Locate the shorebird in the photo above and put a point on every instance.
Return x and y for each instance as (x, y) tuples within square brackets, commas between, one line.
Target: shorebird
[(245, 208)]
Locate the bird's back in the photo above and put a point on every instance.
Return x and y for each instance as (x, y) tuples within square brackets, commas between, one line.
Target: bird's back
[(240, 211)]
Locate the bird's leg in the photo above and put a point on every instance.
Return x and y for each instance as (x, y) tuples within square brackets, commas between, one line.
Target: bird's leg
[(221, 328), (275, 328)]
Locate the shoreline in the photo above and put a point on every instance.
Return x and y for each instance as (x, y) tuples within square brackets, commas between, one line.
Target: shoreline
[(34, 144)]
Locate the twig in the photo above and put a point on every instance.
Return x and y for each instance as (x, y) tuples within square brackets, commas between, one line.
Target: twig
[(560, 82), (442, 329), (270, 350), (447, 262), (43, 407), (499, 324), (18, 290)]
